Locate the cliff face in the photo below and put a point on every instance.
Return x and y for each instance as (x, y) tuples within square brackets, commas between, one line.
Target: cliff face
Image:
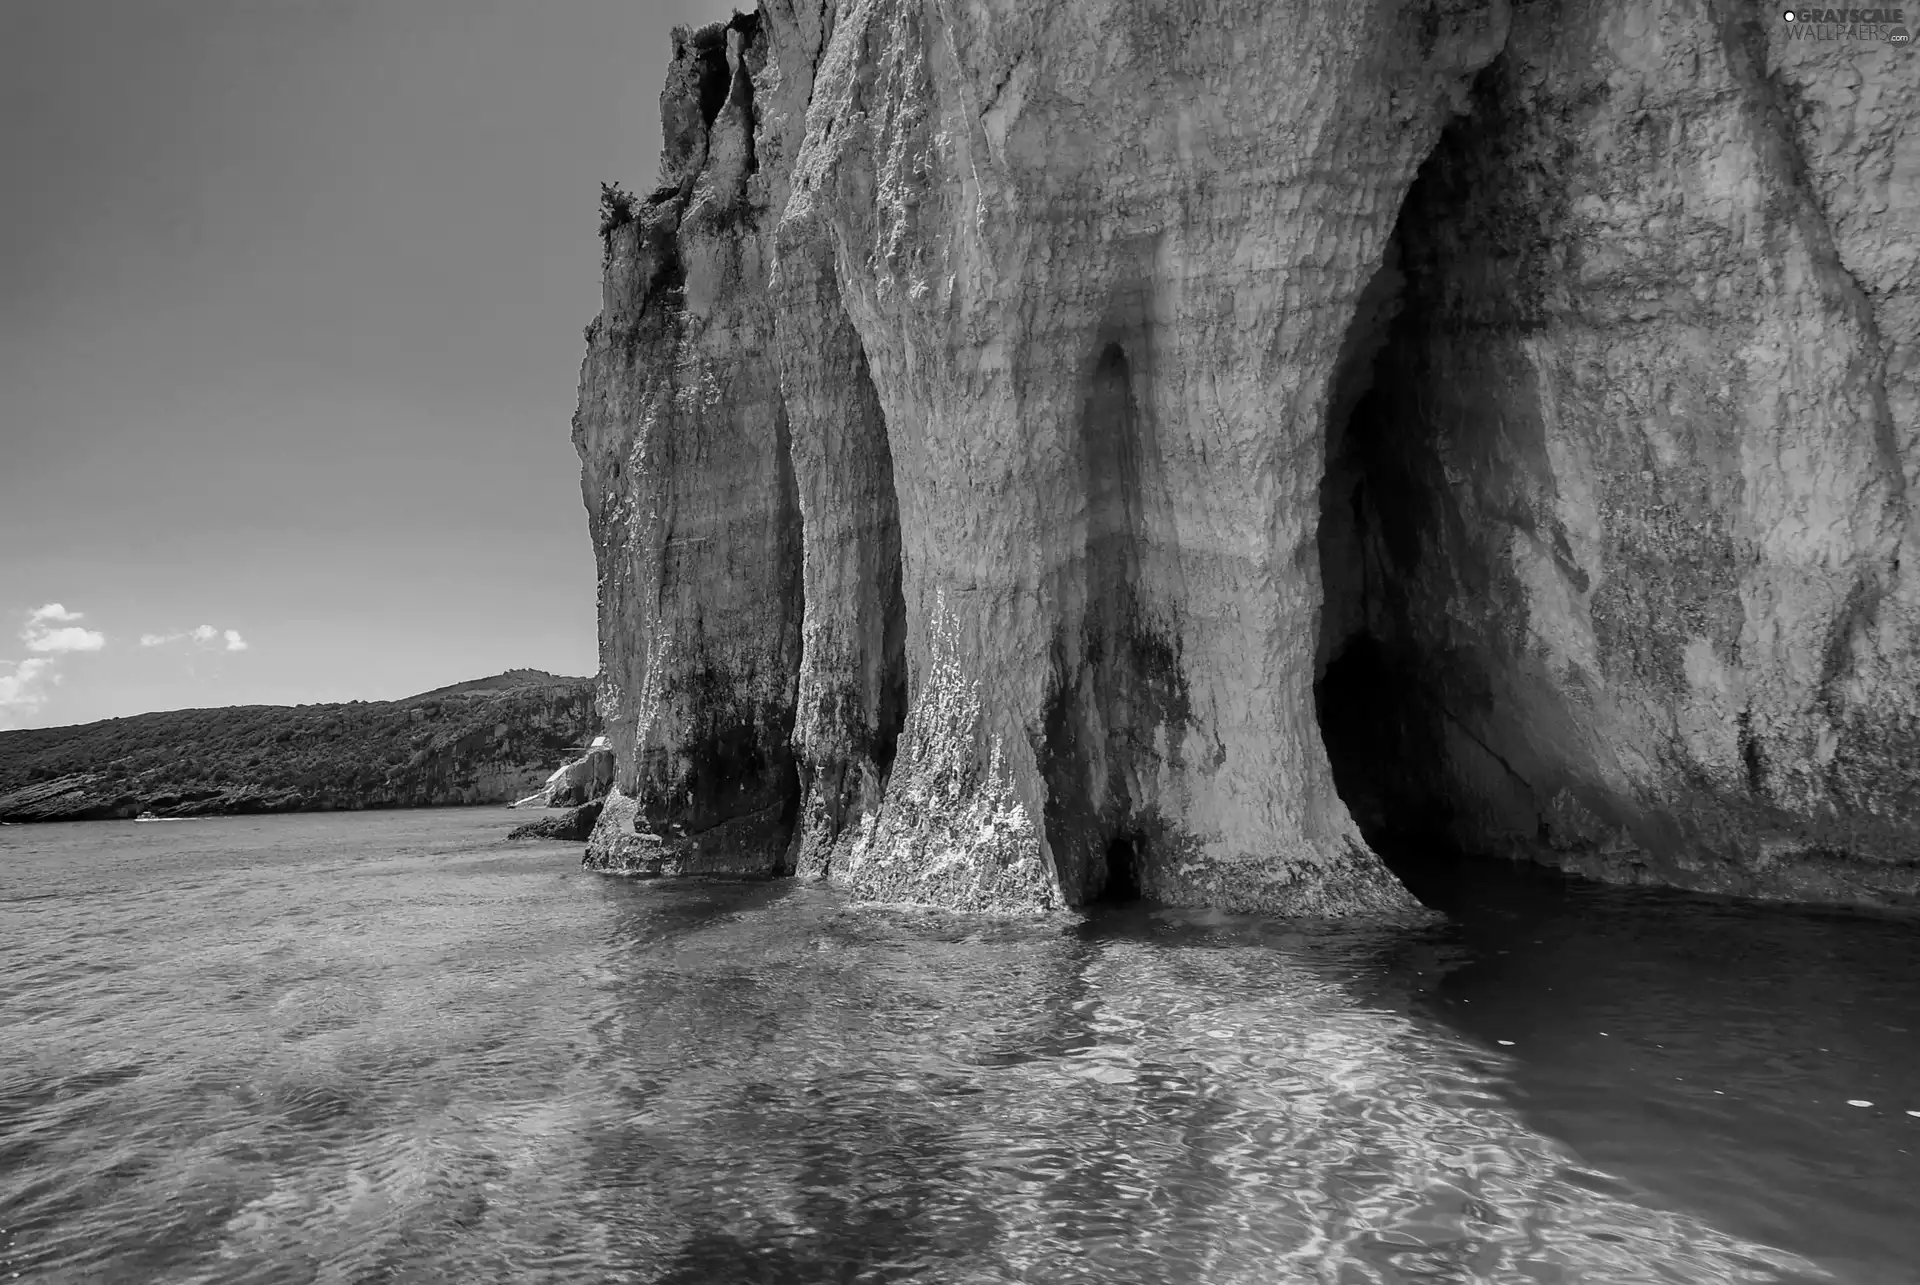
[(1617, 536), (688, 477), (1015, 431)]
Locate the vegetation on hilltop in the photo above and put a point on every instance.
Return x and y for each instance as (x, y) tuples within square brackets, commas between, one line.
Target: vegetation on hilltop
[(489, 740), (511, 680)]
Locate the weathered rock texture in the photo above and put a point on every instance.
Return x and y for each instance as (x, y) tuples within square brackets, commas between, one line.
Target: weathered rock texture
[(1004, 414), (1618, 541)]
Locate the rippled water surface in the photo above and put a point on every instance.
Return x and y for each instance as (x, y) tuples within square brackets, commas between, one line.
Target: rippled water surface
[(390, 1047)]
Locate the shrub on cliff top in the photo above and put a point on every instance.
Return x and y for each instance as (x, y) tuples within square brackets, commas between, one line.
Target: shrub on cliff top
[(616, 208)]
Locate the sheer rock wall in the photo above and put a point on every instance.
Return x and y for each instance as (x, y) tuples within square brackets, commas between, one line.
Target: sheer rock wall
[(956, 443), (682, 434)]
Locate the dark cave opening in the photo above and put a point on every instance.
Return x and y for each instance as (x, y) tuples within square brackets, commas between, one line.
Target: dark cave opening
[(1385, 515), (1378, 726), (893, 690), (1461, 650), (891, 714), (715, 75), (1122, 873)]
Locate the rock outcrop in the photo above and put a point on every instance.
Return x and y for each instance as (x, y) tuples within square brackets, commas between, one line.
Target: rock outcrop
[(1014, 432), (583, 780), (574, 824), (687, 472)]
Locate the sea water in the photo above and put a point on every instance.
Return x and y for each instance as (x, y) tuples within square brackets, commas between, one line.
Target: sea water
[(392, 1047)]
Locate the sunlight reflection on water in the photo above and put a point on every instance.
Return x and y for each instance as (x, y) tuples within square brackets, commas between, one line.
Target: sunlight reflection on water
[(358, 1049)]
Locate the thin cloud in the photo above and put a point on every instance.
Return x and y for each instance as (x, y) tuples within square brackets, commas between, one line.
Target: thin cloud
[(201, 634)]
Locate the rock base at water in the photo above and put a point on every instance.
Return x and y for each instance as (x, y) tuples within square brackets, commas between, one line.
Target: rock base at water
[(573, 824), (752, 846)]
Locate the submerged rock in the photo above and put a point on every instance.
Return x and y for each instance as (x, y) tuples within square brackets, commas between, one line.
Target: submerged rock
[(1013, 433)]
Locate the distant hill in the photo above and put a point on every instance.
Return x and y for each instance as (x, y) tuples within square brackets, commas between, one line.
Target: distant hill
[(491, 740), (512, 680)]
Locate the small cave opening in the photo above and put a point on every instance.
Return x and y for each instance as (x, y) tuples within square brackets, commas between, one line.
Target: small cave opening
[(1115, 678), (715, 76)]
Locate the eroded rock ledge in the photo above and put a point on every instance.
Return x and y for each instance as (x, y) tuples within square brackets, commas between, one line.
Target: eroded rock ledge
[(1019, 439)]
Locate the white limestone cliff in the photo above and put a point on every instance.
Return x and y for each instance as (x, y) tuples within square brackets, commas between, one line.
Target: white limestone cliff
[(1020, 438)]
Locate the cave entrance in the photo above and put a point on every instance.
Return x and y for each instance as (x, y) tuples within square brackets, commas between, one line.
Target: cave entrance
[(1451, 701), (1384, 513)]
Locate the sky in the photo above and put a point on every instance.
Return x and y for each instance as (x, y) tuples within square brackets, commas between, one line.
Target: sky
[(291, 301)]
